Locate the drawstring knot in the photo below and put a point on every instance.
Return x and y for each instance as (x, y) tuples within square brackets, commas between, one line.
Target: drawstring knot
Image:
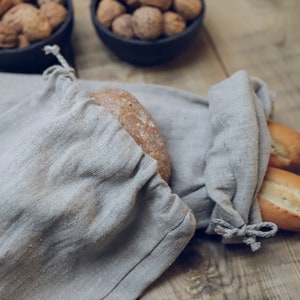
[(55, 50), (248, 233)]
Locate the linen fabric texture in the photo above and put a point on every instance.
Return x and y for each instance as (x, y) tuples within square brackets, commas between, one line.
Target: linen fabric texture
[(84, 213)]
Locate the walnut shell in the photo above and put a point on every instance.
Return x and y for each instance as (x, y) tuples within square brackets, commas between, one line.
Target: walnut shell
[(163, 5), (56, 13), (147, 22), (5, 5), (8, 36), (22, 41), (26, 19), (108, 10), (123, 26), (173, 23), (13, 17), (188, 9)]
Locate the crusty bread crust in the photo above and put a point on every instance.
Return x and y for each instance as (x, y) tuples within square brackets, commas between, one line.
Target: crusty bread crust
[(279, 199), (285, 150), (138, 122)]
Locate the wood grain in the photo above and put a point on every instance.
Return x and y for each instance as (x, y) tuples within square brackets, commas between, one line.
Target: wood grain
[(263, 38), (209, 270)]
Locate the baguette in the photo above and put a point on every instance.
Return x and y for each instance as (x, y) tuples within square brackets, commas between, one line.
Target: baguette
[(279, 199), (138, 122), (285, 147)]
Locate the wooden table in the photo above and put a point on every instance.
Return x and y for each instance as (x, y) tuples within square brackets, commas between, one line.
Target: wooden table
[(262, 37)]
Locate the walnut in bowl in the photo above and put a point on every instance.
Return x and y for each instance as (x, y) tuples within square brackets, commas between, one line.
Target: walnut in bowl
[(36, 24), (152, 31)]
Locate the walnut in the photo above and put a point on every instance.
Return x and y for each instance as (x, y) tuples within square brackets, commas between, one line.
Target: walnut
[(163, 5), (13, 18), (5, 5), (108, 10), (56, 13), (173, 23), (147, 22), (123, 26), (188, 9), (8, 36), (22, 41), (26, 19)]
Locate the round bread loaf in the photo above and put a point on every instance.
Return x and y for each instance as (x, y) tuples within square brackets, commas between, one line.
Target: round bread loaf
[(285, 148), (279, 199), (138, 122)]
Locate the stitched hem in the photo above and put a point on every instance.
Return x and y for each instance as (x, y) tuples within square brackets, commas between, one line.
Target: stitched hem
[(159, 258)]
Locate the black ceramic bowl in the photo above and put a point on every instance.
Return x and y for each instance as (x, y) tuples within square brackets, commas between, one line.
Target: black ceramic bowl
[(32, 59), (147, 53)]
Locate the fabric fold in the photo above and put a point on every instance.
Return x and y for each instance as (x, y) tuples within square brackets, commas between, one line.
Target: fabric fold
[(83, 210), (239, 154)]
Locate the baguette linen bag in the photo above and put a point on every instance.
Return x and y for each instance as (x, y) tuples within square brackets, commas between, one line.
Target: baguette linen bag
[(84, 213)]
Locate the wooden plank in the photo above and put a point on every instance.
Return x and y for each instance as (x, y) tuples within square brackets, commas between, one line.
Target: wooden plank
[(196, 70), (209, 270), (262, 37)]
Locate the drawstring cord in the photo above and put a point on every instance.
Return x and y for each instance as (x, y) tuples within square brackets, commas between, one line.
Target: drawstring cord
[(55, 50), (247, 232)]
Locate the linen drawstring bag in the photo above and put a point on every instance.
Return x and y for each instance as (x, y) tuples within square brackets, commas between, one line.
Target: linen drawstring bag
[(84, 213)]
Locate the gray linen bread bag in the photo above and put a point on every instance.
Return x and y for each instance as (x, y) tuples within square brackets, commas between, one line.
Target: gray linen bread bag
[(84, 213)]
